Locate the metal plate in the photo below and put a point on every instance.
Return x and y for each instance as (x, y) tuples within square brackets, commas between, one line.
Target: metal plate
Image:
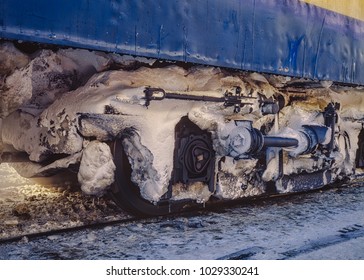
[(287, 37)]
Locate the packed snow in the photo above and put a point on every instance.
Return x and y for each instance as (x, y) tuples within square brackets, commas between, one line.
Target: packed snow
[(317, 226), (97, 168), (66, 103)]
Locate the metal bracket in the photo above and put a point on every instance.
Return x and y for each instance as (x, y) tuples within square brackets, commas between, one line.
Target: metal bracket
[(229, 99)]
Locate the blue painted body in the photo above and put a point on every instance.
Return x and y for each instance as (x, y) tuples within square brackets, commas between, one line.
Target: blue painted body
[(286, 37)]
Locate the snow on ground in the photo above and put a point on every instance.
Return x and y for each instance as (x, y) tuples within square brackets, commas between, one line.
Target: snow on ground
[(319, 225), (31, 206)]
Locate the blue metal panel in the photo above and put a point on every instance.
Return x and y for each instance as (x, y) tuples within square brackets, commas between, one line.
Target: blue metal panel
[(285, 37)]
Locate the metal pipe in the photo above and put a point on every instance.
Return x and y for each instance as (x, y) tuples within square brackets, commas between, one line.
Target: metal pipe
[(279, 142)]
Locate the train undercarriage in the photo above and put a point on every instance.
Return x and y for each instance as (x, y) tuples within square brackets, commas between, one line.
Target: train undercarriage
[(162, 136)]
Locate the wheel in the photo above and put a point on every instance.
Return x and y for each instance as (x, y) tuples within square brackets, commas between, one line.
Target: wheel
[(125, 193), (194, 160)]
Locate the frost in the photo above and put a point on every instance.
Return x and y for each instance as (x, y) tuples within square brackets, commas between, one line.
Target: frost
[(271, 171), (38, 84), (143, 173), (57, 102), (236, 178), (97, 168), (326, 84), (198, 192), (11, 59), (49, 74)]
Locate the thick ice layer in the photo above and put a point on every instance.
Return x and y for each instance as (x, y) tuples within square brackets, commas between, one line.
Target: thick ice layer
[(143, 172), (38, 82), (57, 102), (237, 179), (97, 168)]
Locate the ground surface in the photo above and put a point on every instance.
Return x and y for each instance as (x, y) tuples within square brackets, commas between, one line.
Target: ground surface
[(319, 225), (32, 206)]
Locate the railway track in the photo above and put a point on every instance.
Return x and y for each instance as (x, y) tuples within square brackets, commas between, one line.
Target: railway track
[(32, 209), (58, 222), (31, 236), (318, 225)]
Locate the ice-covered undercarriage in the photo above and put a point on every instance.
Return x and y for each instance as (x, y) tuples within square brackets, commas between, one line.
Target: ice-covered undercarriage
[(157, 135)]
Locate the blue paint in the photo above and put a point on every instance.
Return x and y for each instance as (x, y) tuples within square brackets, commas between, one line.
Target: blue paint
[(285, 37), (294, 47)]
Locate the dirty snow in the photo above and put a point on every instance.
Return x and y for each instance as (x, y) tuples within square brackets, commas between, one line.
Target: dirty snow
[(69, 97), (97, 168), (44, 204), (319, 225), (11, 59)]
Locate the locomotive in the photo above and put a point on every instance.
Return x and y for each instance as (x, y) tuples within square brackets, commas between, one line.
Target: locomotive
[(167, 105)]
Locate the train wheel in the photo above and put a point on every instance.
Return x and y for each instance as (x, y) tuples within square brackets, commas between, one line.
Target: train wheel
[(125, 193)]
